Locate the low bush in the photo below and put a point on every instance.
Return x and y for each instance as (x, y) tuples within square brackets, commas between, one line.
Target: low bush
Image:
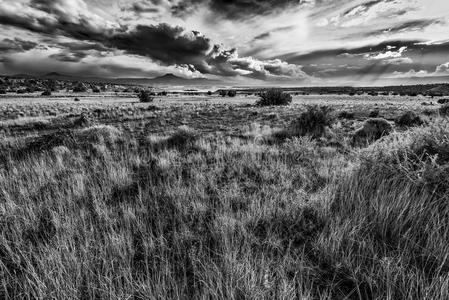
[(374, 114), (346, 115), (409, 119), (145, 96), (46, 93), (372, 130), (443, 101), (232, 93), (80, 88), (313, 122), (274, 97), (444, 110)]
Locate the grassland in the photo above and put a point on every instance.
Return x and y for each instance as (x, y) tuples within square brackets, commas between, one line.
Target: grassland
[(204, 198)]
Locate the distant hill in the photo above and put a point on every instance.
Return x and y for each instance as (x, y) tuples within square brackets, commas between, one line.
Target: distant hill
[(167, 79)]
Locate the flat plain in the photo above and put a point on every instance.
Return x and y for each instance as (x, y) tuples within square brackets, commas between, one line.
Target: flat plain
[(204, 197)]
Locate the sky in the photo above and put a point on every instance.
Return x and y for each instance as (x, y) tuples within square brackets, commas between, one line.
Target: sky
[(300, 42)]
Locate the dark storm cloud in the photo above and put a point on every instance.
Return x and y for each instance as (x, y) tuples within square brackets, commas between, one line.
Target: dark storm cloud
[(169, 45), (162, 42), (63, 19), (16, 45)]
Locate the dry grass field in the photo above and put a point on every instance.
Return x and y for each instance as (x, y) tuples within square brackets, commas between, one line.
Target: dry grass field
[(195, 197)]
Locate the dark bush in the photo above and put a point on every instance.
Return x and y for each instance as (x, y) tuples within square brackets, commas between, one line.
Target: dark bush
[(274, 97), (346, 115), (232, 93), (209, 93), (374, 114), (80, 88), (429, 112), (409, 119), (46, 93), (145, 96), (372, 130), (95, 90), (443, 101), (444, 110), (77, 100), (223, 93), (2, 91), (312, 122)]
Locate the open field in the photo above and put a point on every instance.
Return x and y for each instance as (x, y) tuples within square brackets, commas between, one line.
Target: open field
[(203, 197)]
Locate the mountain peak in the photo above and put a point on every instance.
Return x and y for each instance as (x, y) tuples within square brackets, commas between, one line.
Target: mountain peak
[(169, 75)]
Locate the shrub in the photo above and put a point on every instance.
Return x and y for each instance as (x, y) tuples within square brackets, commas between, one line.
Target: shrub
[(374, 114), (444, 110), (346, 115), (46, 93), (184, 138), (274, 97), (80, 88), (409, 119), (2, 91), (77, 100), (372, 130), (96, 90), (232, 93), (209, 93), (145, 96), (312, 122), (429, 112), (443, 101), (222, 93)]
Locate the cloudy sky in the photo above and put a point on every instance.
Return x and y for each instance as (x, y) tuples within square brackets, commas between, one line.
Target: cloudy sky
[(305, 42)]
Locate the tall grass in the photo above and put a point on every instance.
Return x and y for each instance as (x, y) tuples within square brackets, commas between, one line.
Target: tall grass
[(102, 215)]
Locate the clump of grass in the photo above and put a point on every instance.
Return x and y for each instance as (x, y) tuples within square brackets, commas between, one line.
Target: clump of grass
[(372, 130), (374, 113), (274, 97), (409, 119), (99, 134), (182, 139), (313, 122), (393, 208), (346, 115), (444, 110)]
